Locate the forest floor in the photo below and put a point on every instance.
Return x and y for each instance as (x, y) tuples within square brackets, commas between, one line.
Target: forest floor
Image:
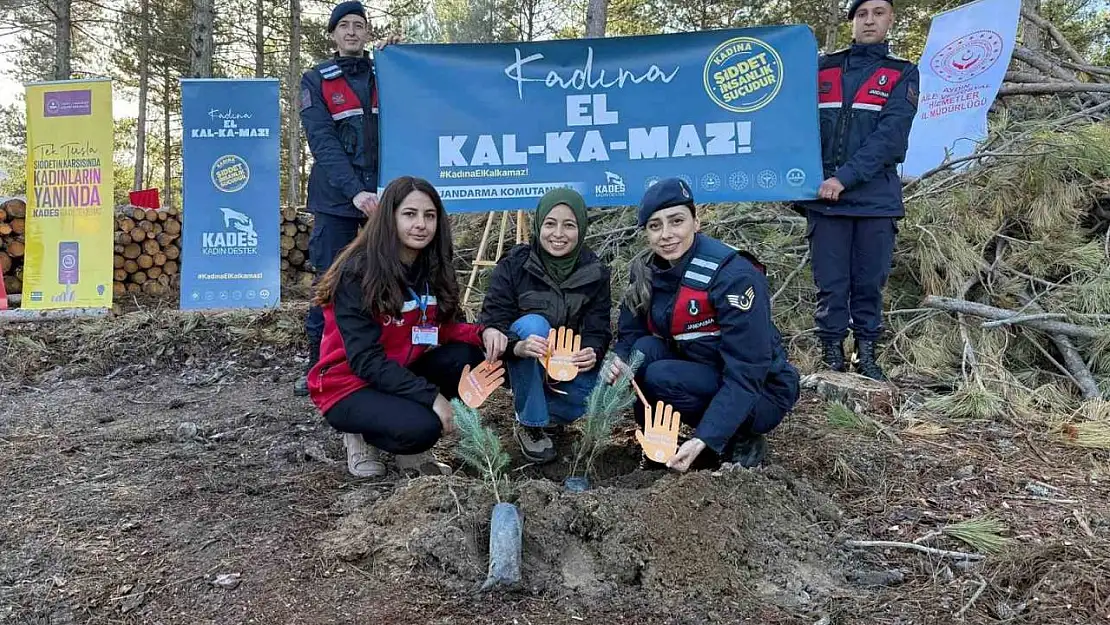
[(116, 512)]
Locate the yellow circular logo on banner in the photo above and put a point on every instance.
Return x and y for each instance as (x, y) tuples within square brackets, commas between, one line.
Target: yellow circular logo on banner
[(743, 74)]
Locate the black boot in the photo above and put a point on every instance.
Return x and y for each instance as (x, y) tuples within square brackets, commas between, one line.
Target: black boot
[(300, 387), (833, 355), (750, 451), (865, 362)]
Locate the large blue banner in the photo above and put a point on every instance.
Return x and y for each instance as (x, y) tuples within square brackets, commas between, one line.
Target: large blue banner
[(231, 239), (494, 127)]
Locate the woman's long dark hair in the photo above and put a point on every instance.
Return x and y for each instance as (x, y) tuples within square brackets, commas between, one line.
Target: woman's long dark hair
[(375, 256)]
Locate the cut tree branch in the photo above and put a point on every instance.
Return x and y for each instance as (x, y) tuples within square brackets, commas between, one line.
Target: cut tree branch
[(956, 555), (990, 312), (1049, 88), (1039, 61), (1055, 33), (1080, 374)]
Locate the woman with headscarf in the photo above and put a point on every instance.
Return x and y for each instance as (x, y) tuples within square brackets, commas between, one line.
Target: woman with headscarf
[(555, 281)]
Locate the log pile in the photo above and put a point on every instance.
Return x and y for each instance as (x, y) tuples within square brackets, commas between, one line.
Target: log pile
[(13, 214), (147, 251), (296, 227)]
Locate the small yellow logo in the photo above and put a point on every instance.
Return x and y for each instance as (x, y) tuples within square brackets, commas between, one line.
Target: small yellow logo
[(743, 74)]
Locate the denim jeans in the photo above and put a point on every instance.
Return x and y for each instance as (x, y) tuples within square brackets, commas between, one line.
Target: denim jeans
[(536, 405)]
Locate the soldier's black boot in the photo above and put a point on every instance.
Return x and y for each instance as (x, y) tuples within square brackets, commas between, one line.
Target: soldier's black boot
[(833, 355), (750, 450), (865, 362), (300, 387)]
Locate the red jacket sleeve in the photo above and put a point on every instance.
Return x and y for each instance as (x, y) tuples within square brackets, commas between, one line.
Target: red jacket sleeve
[(469, 333)]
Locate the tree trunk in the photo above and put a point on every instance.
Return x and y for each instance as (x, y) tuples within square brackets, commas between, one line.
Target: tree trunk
[(293, 93), (200, 43), (596, 18), (833, 26), (144, 87), (1033, 35), (63, 39), (259, 41)]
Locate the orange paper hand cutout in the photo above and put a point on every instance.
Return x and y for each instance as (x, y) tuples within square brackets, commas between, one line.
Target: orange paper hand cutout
[(477, 385), (660, 442), (561, 347)]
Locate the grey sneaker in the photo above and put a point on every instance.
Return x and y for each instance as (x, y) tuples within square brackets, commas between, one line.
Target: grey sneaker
[(535, 444), (362, 458)]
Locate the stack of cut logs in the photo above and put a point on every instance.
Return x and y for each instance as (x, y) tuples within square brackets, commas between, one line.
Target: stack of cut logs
[(12, 224), (295, 231), (147, 250)]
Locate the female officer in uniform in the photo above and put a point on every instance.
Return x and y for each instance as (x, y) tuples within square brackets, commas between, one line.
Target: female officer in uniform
[(700, 313)]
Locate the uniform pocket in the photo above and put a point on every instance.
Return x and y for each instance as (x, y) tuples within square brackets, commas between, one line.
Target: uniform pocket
[(348, 137)]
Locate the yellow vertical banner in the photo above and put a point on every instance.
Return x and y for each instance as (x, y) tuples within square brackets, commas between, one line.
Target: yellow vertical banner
[(70, 209)]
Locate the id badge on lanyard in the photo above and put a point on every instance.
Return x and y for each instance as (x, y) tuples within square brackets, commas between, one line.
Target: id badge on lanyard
[(424, 333)]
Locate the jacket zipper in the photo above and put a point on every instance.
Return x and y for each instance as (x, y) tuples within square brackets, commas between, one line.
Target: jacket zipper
[(845, 110)]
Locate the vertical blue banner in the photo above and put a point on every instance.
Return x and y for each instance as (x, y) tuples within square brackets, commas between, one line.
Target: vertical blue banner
[(495, 126), (231, 238)]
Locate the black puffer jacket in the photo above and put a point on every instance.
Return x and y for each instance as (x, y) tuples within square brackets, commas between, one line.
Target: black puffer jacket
[(520, 286)]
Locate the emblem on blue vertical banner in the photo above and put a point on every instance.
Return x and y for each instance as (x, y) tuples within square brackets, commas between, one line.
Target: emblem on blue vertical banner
[(231, 239)]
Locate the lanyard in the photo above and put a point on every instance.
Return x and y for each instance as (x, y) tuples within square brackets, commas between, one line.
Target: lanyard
[(422, 302)]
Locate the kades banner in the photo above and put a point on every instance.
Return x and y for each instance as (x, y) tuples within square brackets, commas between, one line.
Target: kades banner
[(495, 126), (231, 256)]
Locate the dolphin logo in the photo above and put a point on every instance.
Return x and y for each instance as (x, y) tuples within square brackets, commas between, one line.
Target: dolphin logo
[(239, 221)]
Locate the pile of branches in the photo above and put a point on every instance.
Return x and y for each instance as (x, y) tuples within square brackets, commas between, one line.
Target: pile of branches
[(1001, 285), (1048, 64)]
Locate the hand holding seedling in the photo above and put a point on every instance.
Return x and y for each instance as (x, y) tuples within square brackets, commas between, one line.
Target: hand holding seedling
[(477, 385)]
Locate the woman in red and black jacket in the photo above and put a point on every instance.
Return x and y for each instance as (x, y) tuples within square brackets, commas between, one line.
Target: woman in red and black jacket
[(393, 348)]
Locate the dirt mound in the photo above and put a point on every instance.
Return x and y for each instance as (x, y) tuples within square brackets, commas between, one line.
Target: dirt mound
[(754, 536)]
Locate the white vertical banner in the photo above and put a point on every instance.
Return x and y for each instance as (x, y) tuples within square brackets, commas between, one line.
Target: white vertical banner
[(964, 63)]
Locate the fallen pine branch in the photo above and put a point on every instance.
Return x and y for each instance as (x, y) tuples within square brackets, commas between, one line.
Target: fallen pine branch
[(1021, 319), (1057, 36), (963, 159), (957, 555), (990, 312), (1049, 88), (1042, 63), (790, 278), (1076, 367)]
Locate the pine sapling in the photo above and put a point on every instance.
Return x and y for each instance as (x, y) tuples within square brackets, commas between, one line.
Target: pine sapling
[(480, 447), (603, 410)]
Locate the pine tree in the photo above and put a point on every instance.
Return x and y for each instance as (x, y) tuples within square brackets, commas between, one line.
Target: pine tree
[(603, 410), (480, 447)]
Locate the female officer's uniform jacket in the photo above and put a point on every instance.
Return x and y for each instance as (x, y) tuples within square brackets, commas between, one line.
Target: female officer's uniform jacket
[(713, 307)]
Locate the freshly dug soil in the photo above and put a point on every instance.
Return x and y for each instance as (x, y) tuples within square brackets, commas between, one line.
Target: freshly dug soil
[(752, 536)]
